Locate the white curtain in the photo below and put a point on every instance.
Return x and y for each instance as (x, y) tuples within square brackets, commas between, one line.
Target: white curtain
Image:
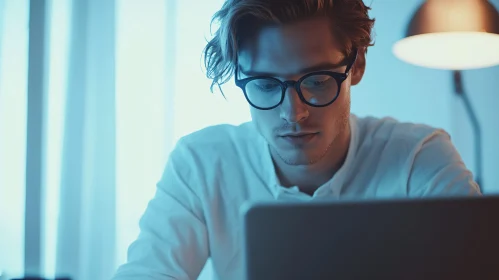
[(13, 73), (124, 83)]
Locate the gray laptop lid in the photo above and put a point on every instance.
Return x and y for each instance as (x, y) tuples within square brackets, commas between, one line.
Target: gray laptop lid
[(439, 238)]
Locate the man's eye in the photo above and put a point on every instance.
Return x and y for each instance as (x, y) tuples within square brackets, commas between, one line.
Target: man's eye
[(264, 86), (317, 82), (267, 86)]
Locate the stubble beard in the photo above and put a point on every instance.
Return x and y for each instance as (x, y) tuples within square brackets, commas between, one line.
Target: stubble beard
[(342, 123)]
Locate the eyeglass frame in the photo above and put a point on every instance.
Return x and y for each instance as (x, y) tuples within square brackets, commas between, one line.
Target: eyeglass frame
[(339, 78)]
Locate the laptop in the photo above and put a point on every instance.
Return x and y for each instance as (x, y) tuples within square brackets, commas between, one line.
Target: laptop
[(437, 238)]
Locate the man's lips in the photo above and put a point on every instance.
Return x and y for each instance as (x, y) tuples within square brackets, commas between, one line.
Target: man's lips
[(298, 139)]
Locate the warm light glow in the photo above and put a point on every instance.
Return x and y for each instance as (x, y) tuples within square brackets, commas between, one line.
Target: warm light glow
[(450, 50)]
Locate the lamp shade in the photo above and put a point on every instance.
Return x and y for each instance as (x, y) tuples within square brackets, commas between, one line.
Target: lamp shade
[(452, 35)]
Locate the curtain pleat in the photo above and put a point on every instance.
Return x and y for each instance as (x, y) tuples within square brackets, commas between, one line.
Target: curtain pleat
[(86, 228)]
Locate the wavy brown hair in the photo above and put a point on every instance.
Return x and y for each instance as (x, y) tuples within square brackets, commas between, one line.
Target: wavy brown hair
[(239, 20)]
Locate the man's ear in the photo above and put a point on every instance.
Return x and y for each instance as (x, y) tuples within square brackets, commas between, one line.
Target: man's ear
[(358, 67)]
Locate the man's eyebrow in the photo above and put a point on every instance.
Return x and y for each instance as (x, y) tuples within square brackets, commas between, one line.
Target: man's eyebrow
[(306, 70)]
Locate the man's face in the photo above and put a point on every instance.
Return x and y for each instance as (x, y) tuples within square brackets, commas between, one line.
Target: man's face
[(284, 52)]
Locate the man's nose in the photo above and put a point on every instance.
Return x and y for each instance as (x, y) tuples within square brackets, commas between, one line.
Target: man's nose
[(293, 110)]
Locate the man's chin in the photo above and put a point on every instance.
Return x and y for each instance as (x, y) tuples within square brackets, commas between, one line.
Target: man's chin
[(296, 158)]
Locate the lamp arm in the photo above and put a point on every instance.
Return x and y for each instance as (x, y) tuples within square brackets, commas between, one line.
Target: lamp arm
[(458, 86)]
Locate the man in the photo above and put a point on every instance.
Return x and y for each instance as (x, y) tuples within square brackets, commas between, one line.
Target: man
[(294, 61)]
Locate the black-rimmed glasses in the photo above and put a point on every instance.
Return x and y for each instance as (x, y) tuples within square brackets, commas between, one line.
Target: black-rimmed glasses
[(316, 89)]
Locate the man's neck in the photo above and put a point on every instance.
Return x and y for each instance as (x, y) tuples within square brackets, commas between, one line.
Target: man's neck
[(310, 177)]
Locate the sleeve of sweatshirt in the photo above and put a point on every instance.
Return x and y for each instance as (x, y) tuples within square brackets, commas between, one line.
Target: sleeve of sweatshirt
[(173, 241), (438, 169)]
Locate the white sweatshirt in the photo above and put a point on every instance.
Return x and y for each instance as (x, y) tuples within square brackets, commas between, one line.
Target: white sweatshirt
[(194, 214)]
